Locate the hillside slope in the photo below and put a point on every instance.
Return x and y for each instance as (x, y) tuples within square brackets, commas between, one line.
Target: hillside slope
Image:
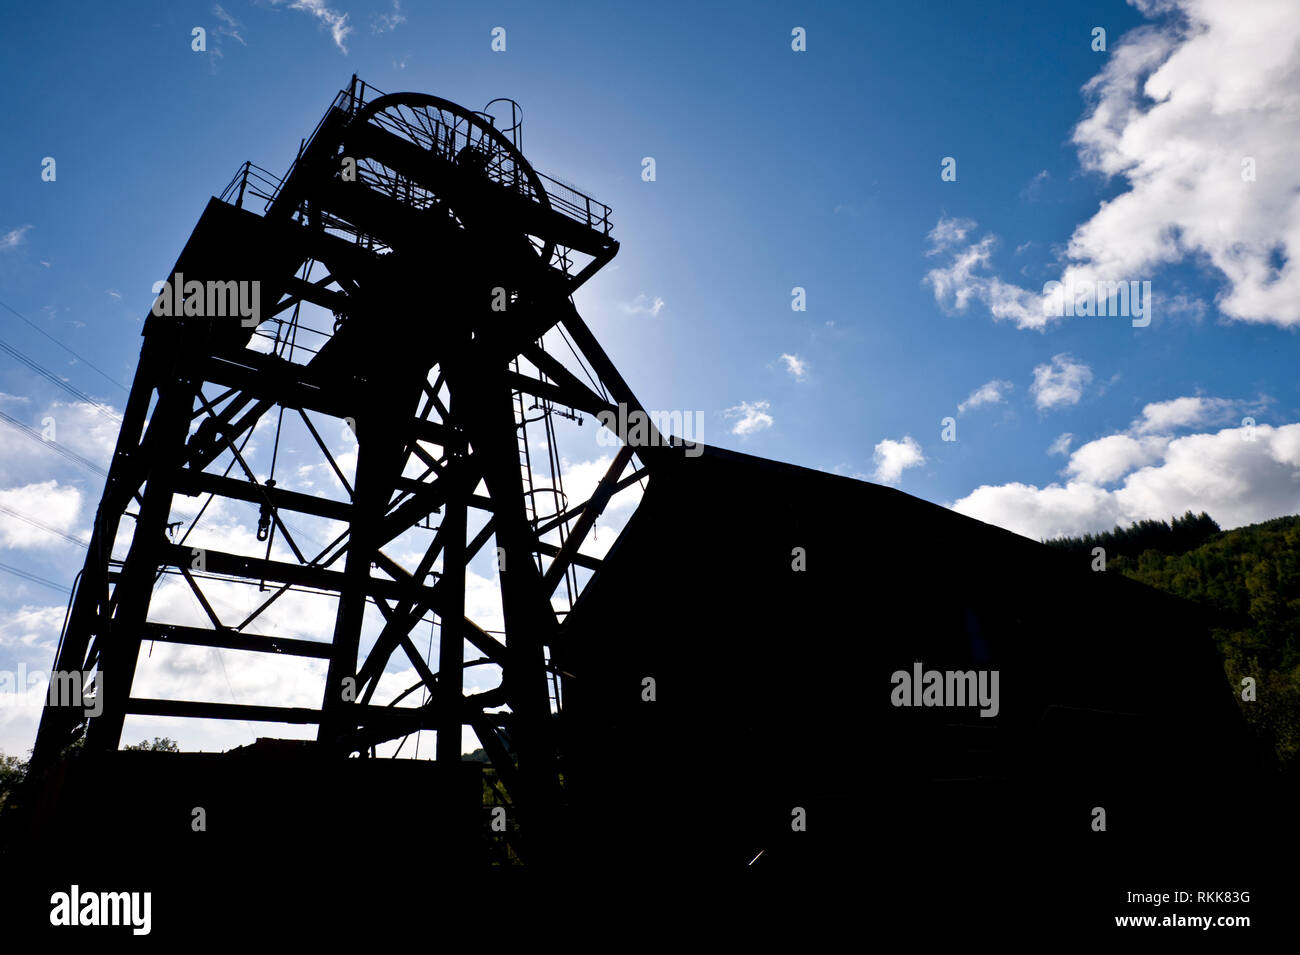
[(1250, 578)]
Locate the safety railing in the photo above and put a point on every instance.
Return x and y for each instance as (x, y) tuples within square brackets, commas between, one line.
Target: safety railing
[(251, 180), (577, 205)]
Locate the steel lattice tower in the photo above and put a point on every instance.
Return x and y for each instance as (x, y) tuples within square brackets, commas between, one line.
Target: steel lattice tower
[(444, 265)]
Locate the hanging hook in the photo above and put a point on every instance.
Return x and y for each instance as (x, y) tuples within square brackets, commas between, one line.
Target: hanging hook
[(264, 517)]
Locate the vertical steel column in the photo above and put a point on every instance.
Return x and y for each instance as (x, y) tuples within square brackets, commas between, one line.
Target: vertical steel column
[(451, 640), (121, 645), (529, 618), (124, 478)]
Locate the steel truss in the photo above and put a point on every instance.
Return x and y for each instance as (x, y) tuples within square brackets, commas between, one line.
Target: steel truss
[(416, 275)]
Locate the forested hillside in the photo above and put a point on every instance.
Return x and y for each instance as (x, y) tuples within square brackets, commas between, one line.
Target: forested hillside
[(1251, 575)]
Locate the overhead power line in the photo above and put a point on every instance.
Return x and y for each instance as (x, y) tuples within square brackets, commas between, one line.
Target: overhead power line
[(43, 526), (43, 581), (54, 446), (85, 361), (60, 382)]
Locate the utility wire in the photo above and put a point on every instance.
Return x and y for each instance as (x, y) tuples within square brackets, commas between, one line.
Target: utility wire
[(43, 581), (43, 526), (54, 446), (52, 377), (84, 361)]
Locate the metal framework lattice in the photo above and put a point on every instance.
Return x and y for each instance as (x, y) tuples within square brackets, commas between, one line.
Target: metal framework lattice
[(418, 275)]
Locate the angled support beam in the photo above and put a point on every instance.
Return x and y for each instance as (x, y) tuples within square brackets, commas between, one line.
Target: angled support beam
[(550, 366), (190, 482), (582, 398), (576, 559), (227, 639), (637, 475), (316, 293), (600, 497), (302, 575), (459, 477)]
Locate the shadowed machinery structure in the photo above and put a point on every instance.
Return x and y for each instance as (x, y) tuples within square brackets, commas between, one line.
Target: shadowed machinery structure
[(715, 689)]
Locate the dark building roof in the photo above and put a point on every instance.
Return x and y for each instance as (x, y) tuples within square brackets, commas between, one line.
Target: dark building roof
[(773, 685)]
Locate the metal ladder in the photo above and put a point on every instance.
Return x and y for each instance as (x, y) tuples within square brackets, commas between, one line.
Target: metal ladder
[(525, 455)]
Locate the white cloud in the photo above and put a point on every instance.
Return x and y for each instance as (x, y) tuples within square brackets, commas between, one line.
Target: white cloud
[(1177, 110), (990, 393), (752, 417), (20, 714), (1034, 187), (1110, 458), (48, 502), (964, 280), (1164, 416), (581, 478), (32, 629), (1042, 513), (948, 232), (1062, 444), (383, 22), (1235, 479), (643, 305), (230, 26), (1059, 382), (1107, 459), (337, 22), (13, 238), (796, 366), (1178, 306), (77, 425), (892, 458)]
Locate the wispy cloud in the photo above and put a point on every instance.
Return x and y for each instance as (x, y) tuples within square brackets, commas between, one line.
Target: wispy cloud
[(752, 417), (796, 366), (948, 232), (230, 26), (1062, 444), (643, 305), (1060, 382), (990, 393), (384, 22), (965, 279), (1034, 187), (337, 22), (13, 238), (856, 209), (1161, 417)]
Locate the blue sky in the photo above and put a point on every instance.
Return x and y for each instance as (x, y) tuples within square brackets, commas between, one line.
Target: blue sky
[(775, 169)]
